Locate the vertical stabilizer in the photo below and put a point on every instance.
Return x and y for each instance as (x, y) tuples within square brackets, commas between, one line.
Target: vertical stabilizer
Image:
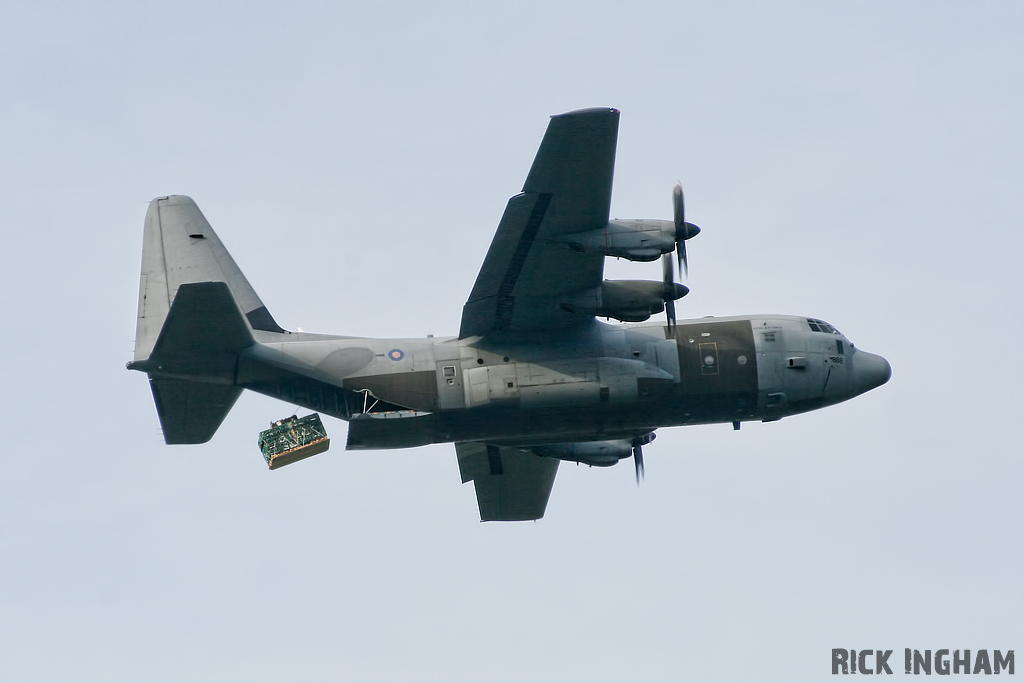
[(180, 247), (196, 314)]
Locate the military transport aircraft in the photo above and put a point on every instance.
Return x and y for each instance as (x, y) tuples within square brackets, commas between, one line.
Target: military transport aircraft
[(532, 378)]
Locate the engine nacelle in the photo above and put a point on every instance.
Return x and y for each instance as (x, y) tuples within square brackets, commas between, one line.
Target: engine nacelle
[(595, 453), (631, 301), (635, 240)]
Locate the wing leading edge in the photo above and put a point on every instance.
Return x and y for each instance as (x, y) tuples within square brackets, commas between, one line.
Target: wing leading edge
[(530, 276)]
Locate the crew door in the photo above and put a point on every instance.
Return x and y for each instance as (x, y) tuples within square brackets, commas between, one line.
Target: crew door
[(450, 392)]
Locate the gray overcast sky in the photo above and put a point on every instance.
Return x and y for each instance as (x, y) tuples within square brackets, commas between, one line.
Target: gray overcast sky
[(861, 162)]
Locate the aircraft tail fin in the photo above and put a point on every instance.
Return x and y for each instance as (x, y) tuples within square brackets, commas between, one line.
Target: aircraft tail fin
[(196, 313), (180, 247)]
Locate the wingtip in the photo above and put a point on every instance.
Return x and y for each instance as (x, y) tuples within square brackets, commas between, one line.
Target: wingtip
[(591, 111)]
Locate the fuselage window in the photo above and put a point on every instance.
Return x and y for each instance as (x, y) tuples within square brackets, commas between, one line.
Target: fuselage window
[(821, 326), (839, 346), (449, 371)]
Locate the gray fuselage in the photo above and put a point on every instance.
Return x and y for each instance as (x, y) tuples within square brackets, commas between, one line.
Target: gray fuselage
[(589, 383)]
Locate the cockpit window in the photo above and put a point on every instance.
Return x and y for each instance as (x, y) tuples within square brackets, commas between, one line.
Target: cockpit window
[(821, 326)]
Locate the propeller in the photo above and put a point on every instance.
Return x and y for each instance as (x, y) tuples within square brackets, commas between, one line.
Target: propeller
[(638, 454), (684, 230), (638, 460), (671, 290), (668, 278)]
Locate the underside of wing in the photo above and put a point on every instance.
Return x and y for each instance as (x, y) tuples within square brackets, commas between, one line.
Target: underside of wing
[(532, 277), (191, 412), (512, 484)]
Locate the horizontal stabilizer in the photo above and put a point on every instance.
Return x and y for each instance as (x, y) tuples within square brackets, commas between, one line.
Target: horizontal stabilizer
[(191, 412), (204, 323), (192, 367)]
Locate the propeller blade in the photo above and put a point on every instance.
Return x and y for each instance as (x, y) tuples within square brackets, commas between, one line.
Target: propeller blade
[(668, 278), (684, 230), (638, 461), (679, 206), (679, 216)]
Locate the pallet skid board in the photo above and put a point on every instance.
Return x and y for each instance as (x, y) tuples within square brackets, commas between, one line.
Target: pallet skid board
[(300, 453)]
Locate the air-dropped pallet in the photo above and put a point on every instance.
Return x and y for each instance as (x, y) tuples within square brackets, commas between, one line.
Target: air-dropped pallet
[(293, 439)]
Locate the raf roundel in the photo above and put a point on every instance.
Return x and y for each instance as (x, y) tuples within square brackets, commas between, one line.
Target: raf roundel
[(396, 354)]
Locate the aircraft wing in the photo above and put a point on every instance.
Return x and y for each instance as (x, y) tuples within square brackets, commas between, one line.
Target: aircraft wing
[(530, 275), (512, 484)]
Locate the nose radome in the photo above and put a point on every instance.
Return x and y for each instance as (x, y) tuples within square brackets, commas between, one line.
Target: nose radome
[(869, 371)]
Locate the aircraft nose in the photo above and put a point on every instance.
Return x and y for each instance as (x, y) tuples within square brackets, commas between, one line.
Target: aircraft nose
[(869, 371)]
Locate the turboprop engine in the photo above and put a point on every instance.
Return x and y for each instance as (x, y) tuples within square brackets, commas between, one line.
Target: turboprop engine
[(630, 301), (600, 453), (595, 453), (634, 301), (640, 239), (634, 240)]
